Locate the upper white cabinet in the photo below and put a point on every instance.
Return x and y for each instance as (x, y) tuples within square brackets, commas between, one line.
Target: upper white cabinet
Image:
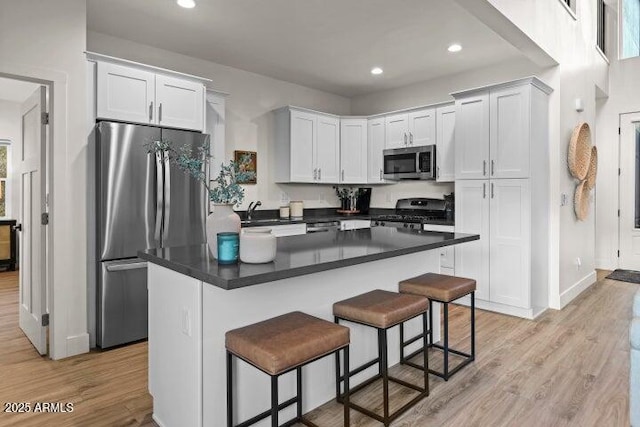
[(139, 94), (307, 146), (472, 137), (445, 147), (353, 151), (376, 138), (411, 129)]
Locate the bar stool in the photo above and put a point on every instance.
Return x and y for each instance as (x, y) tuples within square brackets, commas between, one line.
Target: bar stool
[(443, 289), (381, 310), (278, 346)]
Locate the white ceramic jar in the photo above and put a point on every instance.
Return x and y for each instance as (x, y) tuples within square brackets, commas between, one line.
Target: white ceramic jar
[(257, 245), (297, 209), (223, 219)]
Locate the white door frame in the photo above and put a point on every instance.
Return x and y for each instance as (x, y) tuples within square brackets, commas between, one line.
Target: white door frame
[(625, 119), (54, 81)]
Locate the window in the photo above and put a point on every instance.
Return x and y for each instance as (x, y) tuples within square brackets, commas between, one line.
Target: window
[(601, 26), (5, 158), (630, 29)]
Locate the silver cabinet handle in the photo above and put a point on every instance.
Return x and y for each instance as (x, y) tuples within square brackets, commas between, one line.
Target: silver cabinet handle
[(151, 111), (484, 190), (343, 174), (380, 174), (315, 174), (493, 167), (437, 172), (405, 138), (410, 138), (160, 113), (484, 168), (319, 174), (127, 266), (492, 194)]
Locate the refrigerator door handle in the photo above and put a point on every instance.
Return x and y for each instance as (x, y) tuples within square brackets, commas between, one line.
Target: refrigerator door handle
[(159, 198), (167, 197)]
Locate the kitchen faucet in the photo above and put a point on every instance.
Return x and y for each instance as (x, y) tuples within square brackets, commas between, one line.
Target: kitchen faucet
[(252, 207)]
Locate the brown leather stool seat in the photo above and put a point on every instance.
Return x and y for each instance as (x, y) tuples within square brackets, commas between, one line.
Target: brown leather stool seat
[(444, 289), (383, 310), (439, 287), (280, 345)]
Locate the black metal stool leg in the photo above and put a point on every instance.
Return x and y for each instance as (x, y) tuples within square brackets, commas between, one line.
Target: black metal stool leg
[(337, 353), (229, 389), (425, 352), (401, 343), (382, 348), (274, 401), (446, 341), (347, 409), (430, 322), (299, 392), (473, 326)]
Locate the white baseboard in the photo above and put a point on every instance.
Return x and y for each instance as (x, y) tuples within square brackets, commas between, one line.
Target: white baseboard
[(606, 263), (567, 296), (77, 344)]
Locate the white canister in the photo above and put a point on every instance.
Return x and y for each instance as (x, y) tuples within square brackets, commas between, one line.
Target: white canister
[(257, 245), (284, 212), (297, 209)]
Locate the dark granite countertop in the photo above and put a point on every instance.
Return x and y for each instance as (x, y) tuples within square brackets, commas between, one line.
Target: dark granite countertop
[(303, 254)]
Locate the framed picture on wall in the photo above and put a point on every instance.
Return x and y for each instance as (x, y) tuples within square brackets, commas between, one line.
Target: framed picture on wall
[(251, 167)]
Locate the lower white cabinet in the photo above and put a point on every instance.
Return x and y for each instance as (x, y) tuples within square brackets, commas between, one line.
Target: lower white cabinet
[(353, 151), (500, 212)]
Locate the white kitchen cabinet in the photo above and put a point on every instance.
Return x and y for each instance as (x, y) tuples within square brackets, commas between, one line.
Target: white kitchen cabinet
[(472, 216), (327, 150), (472, 137), (125, 93), (137, 93), (375, 147), (510, 242), (303, 137), (180, 102), (353, 151), (422, 127), (445, 143), (354, 224), (509, 132), (396, 130)]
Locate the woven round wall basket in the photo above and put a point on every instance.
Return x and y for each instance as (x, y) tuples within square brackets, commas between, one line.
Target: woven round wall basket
[(592, 173), (580, 151), (581, 201)]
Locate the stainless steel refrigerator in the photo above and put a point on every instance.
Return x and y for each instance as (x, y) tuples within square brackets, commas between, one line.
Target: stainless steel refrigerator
[(142, 201)]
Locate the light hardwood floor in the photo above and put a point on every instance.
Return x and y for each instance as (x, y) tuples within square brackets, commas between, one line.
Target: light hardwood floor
[(567, 368)]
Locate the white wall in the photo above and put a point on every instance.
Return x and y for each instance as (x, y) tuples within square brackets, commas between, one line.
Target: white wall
[(249, 116), (45, 41), (10, 129)]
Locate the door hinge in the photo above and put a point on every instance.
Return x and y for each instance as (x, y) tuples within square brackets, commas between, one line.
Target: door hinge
[(618, 213), (619, 171), (619, 131), (45, 118), (618, 254), (45, 218), (45, 319)]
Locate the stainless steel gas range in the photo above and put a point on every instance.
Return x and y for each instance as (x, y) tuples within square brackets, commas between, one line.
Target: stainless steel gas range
[(415, 213)]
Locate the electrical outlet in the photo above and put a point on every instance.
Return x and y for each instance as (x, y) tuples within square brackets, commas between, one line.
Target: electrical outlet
[(578, 263), (564, 199)]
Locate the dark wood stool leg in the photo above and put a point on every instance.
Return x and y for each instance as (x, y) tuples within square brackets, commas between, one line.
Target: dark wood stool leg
[(299, 392), (473, 326), (229, 389), (274, 401), (445, 371), (425, 353), (347, 410)]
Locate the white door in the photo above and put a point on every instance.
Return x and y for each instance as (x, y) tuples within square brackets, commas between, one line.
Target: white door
[(510, 238), (328, 150), (353, 151), (510, 123), (629, 195), (396, 130), (472, 137), (125, 94), (375, 146), (445, 143), (180, 103), (303, 143), (472, 216), (33, 295), (422, 127)]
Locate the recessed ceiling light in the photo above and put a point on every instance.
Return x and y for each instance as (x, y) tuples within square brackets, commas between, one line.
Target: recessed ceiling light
[(454, 48), (376, 70), (188, 4)]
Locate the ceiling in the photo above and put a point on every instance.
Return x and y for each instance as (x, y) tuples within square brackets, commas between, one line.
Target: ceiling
[(16, 90), (329, 45)]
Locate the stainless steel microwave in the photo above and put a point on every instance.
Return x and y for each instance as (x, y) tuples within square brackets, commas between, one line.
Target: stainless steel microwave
[(410, 163)]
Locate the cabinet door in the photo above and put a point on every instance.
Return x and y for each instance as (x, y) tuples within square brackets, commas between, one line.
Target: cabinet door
[(396, 130), (180, 103), (510, 242), (422, 127), (328, 150), (303, 143), (445, 147), (472, 216), (125, 94), (375, 146), (353, 151), (472, 137), (510, 121)]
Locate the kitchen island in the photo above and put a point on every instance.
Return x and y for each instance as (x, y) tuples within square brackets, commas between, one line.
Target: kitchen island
[(193, 301)]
